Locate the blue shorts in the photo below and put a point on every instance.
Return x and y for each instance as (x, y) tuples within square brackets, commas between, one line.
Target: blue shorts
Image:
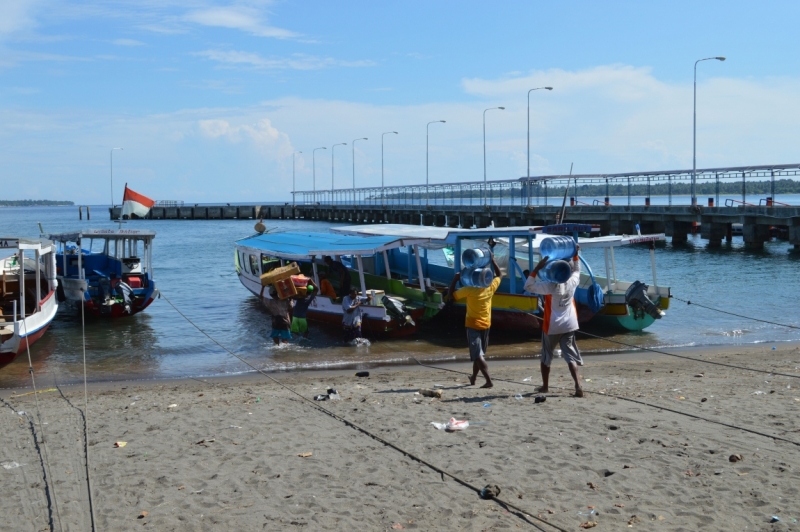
[(283, 334)]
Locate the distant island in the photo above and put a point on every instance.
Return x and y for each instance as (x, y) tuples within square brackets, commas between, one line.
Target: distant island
[(34, 203)]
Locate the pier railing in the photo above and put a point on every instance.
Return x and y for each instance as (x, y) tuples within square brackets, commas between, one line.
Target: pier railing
[(637, 188)]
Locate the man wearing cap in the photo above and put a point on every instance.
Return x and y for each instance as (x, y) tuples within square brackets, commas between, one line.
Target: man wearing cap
[(560, 320)]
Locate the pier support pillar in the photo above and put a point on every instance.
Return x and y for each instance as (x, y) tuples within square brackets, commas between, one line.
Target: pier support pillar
[(439, 220), (605, 228), (502, 221), (679, 231), (620, 227), (794, 233), (754, 234), (712, 231), (453, 219), (467, 221)]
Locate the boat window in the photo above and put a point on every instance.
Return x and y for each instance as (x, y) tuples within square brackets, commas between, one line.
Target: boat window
[(254, 264), (244, 263), (269, 263)]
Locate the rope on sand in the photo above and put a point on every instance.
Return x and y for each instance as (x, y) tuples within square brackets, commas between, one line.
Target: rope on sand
[(519, 512), (633, 401), (86, 422), (50, 487)]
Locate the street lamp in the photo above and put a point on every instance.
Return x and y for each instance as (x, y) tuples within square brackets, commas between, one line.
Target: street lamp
[(314, 170), (294, 188), (694, 131), (383, 197), (333, 149), (484, 150), (111, 155), (353, 144), (528, 183), (427, 134)]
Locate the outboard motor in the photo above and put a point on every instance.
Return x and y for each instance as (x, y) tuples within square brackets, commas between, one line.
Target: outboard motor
[(126, 293), (397, 310), (636, 297)]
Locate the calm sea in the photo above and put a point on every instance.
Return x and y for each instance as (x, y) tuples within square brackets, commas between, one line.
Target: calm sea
[(194, 269)]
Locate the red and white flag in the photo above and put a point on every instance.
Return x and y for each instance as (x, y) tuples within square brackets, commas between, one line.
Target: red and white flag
[(135, 203)]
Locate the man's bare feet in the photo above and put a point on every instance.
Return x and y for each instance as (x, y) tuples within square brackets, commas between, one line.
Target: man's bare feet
[(488, 385), (578, 392), (542, 389), (472, 380)]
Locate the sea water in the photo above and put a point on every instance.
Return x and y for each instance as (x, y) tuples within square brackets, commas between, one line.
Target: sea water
[(193, 267)]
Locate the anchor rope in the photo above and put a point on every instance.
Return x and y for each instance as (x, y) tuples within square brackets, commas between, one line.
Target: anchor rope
[(48, 469), (520, 512), (86, 421), (688, 302)]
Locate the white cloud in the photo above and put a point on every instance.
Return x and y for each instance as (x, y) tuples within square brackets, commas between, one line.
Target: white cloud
[(262, 133), (241, 18), (16, 16), (294, 62), (127, 42)]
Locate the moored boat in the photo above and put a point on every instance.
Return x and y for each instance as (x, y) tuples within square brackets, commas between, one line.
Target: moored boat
[(27, 294), (108, 271), (366, 259), (626, 305)]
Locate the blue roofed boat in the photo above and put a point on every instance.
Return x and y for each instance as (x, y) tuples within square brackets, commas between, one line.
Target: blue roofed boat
[(108, 271), (369, 268)]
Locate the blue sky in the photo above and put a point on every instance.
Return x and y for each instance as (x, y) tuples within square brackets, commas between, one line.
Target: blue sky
[(210, 99)]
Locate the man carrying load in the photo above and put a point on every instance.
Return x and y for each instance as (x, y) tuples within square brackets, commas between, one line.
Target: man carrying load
[(478, 321), (560, 320)]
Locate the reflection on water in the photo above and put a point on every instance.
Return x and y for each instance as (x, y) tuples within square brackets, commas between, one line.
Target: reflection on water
[(194, 263)]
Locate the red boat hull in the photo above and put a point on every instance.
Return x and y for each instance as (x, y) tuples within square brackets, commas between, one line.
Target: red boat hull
[(117, 310), (31, 339)]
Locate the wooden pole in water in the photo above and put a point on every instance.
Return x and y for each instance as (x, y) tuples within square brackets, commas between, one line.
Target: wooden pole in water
[(88, 215), (80, 212)]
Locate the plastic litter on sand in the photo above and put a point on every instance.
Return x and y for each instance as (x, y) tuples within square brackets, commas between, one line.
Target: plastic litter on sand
[(10, 465), (452, 425)]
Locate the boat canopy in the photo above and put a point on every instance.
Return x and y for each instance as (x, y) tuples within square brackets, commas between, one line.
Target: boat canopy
[(40, 244), (437, 237), (108, 234), (303, 246)]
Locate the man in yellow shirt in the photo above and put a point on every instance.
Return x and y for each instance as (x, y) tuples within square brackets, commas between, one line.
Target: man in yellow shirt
[(479, 320)]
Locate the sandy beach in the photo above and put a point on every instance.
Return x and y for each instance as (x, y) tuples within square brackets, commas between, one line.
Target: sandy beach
[(247, 454)]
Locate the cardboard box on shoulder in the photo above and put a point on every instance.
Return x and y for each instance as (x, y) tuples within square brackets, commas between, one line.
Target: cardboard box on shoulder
[(285, 288), (278, 274)]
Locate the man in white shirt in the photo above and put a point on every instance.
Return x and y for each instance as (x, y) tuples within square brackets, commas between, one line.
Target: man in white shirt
[(560, 321)]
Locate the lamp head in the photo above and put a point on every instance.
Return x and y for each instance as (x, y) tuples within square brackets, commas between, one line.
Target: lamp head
[(503, 108), (395, 132), (720, 58), (442, 121), (549, 88)]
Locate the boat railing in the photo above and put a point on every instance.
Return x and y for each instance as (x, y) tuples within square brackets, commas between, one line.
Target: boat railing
[(769, 202), (730, 202)]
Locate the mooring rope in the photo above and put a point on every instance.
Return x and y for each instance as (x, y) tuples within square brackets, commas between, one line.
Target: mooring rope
[(734, 314), (48, 470), (631, 400), (520, 512), (86, 421)]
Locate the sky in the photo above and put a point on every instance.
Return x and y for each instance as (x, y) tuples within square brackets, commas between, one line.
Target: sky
[(211, 101)]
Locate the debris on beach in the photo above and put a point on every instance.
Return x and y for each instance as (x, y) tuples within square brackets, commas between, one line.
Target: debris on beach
[(120, 444), (592, 485), (305, 455), (362, 374), (452, 425), (10, 465), (490, 491), (142, 515), (736, 458), (589, 524), (431, 393)]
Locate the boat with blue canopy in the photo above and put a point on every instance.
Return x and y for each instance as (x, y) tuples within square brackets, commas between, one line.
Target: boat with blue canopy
[(625, 305), (108, 271), (368, 265)]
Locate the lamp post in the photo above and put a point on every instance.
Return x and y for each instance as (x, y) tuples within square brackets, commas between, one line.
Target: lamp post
[(383, 196), (333, 150), (484, 150), (528, 183), (294, 188), (314, 170), (111, 156), (427, 135), (694, 131), (353, 144)]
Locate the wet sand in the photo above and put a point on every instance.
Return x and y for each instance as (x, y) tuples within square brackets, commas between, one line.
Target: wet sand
[(225, 454)]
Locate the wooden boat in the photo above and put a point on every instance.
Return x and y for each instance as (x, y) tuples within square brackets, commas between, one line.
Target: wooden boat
[(515, 249), (27, 294), (108, 271), (367, 259)]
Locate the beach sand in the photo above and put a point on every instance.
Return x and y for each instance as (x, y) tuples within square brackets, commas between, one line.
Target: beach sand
[(226, 454)]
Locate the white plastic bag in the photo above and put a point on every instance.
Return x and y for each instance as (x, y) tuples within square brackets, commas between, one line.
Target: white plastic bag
[(455, 424)]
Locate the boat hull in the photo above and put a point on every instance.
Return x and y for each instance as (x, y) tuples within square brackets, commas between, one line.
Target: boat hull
[(76, 293), (26, 333), (376, 322)]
